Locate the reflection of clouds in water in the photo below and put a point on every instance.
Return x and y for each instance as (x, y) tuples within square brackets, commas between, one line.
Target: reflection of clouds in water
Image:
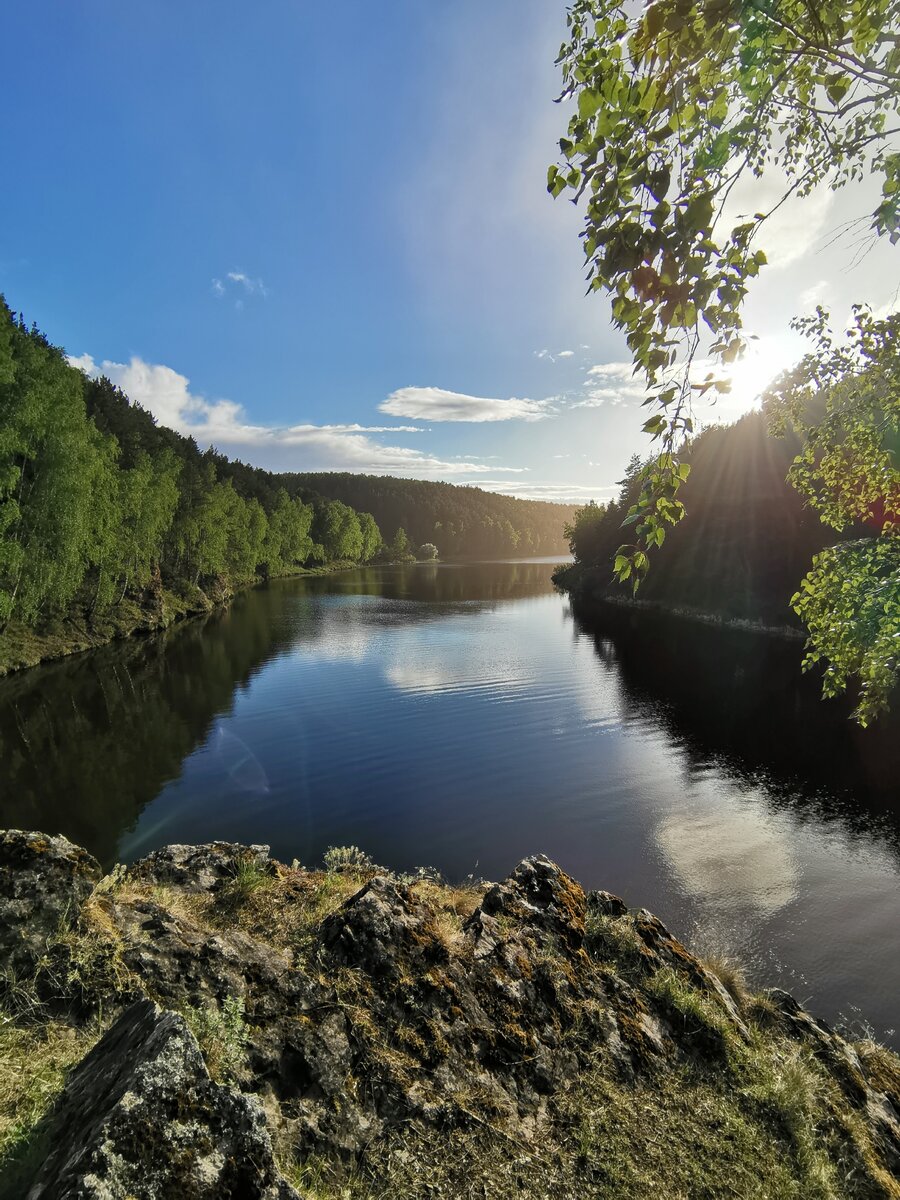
[(730, 858), (236, 760), (435, 660)]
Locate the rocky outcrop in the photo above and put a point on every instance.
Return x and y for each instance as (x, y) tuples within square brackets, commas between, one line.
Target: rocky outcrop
[(43, 883), (140, 1117), (200, 868), (371, 1014)]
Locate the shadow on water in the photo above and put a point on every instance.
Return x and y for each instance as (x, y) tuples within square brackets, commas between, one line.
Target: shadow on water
[(88, 742), (739, 700)]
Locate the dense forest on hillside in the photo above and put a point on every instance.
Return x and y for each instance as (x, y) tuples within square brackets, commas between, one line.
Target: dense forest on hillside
[(98, 502), (461, 521), (749, 538)]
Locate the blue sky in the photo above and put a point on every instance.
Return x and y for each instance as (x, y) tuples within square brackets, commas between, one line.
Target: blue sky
[(319, 236)]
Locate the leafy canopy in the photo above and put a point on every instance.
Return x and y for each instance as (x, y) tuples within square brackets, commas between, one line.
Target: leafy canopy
[(675, 104), (845, 398)]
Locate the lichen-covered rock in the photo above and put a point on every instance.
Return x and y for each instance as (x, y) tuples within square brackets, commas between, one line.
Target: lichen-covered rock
[(43, 883), (405, 1017), (606, 904), (200, 868), (140, 1119)]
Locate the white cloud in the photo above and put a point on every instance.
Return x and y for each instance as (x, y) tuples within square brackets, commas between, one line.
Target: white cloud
[(814, 294), (559, 493), (436, 404), (166, 393), (793, 230), (565, 353), (553, 357), (243, 282)]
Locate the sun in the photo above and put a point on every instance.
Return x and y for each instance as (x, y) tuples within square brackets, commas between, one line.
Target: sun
[(763, 361)]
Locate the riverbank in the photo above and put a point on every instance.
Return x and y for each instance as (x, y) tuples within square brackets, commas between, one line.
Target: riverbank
[(589, 590), (22, 647), (212, 1022)]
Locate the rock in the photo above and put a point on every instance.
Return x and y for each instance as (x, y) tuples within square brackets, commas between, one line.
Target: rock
[(43, 883), (605, 904), (665, 950), (204, 868), (140, 1118), (378, 927), (541, 897)]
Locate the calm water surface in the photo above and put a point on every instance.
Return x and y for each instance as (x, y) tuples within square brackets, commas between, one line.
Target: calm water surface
[(460, 716)]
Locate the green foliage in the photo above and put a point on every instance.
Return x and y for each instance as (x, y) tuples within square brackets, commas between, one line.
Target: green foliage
[(399, 550), (675, 103), (427, 552), (337, 528), (371, 537), (461, 521), (844, 398), (347, 858), (52, 462), (221, 1033), (97, 502)]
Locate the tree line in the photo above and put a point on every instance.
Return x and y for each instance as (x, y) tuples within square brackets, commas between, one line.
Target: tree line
[(98, 502), (461, 521), (749, 539)]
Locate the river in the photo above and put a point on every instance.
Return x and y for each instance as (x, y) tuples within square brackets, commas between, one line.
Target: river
[(462, 717)]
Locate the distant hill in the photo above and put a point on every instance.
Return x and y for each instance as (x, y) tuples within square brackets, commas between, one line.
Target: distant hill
[(459, 519)]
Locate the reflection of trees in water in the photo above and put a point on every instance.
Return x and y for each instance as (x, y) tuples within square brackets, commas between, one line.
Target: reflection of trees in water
[(446, 583), (86, 743), (739, 699)]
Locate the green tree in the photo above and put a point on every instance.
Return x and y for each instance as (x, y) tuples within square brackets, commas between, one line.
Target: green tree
[(844, 397), (371, 537), (675, 104), (336, 527), (398, 548), (427, 552), (50, 459)]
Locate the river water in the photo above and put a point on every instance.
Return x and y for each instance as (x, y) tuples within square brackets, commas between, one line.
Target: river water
[(462, 717)]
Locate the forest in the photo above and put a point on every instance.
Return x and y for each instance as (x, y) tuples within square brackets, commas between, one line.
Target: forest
[(98, 502), (747, 542), (461, 521)]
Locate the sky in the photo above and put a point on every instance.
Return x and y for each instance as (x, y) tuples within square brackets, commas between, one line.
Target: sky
[(319, 238)]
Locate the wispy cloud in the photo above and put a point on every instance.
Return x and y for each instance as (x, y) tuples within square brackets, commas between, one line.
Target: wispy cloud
[(436, 404), (559, 493), (238, 282), (166, 393), (546, 354)]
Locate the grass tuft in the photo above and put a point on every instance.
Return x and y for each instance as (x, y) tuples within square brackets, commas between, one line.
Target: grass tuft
[(221, 1034)]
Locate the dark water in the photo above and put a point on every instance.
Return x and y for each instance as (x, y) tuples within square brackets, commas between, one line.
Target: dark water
[(462, 717)]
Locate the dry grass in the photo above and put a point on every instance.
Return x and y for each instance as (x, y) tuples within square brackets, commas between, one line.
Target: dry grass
[(730, 974), (34, 1062)]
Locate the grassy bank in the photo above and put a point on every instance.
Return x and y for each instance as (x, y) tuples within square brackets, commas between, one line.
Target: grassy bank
[(22, 646)]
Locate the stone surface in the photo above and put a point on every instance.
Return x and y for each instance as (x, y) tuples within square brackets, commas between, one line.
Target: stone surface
[(43, 883), (204, 868), (140, 1119), (394, 1017)]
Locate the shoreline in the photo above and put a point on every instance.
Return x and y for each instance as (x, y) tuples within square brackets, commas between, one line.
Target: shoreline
[(23, 648), (587, 601)]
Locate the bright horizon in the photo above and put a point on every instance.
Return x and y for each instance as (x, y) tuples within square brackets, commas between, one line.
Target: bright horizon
[(351, 267)]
